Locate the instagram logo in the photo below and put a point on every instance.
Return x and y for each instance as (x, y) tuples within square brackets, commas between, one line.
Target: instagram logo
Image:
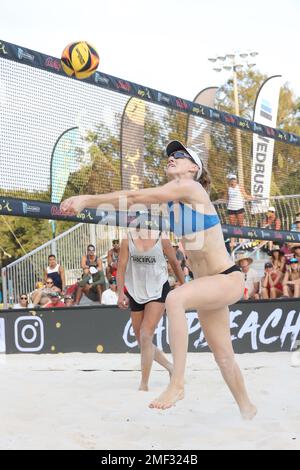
[(29, 334)]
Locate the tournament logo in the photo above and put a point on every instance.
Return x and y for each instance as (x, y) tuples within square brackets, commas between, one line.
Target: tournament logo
[(27, 209), (163, 98), (25, 55), (100, 79)]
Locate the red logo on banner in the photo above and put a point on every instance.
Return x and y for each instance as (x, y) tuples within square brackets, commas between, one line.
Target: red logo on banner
[(229, 118), (123, 85), (52, 63), (56, 211), (181, 104)]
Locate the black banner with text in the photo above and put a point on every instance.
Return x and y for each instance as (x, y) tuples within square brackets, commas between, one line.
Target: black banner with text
[(255, 326)]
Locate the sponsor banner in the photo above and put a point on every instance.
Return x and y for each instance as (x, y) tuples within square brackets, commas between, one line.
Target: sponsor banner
[(132, 150), (198, 130), (255, 326), (265, 112), (46, 210), (52, 64)]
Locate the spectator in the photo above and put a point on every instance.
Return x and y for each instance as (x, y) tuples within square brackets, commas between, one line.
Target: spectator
[(110, 296), (56, 272), (278, 259), (296, 225), (54, 301), (272, 222), (291, 280), (179, 254), (271, 282), (112, 260), (41, 295), (235, 204), (296, 251), (251, 278), (91, 259), (92, 285), (235, 201), (23, 302), (68, 300)]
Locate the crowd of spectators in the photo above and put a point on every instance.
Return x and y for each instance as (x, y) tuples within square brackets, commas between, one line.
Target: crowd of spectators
[(281, 277)]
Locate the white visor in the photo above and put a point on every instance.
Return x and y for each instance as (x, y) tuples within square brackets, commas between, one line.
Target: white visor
[(175, 146)]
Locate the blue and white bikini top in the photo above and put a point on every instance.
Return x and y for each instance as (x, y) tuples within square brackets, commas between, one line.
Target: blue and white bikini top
[(188, 220)]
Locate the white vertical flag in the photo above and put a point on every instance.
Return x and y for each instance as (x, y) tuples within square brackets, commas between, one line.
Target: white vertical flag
[(265, 112)]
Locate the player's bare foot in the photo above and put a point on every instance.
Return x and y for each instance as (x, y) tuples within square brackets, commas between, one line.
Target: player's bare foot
[(143, 387), (249, 412), (168, 398)]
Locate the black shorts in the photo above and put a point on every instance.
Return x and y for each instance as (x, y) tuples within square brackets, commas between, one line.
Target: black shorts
[(136, 307), (235, 212)]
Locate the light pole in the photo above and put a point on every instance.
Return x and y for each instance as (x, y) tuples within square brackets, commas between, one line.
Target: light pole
[(232, 63)]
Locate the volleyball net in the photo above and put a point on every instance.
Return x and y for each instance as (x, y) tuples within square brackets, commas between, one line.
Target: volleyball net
[(60, 136)]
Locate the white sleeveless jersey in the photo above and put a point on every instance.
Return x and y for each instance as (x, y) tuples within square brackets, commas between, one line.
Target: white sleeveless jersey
[(235, 199), (146, 272)]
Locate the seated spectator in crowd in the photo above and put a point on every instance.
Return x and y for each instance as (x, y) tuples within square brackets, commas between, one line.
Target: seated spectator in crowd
[(68, 300), (271, 282), (110, 296), (296, 224), (272, 222), (92, 285), (291, 280), (23, 302), (251, 278), (180, 256), (56, 272), (41, 295), (91, 259), (112, 260), (296, 251), (278, 259), (187, 274), (54, 301)]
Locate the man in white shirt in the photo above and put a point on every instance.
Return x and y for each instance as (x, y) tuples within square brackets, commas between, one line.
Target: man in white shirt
[(110, 296), (251, 278)]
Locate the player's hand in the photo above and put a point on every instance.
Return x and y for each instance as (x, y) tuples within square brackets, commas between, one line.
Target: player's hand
[(123, 301), (74, 204)]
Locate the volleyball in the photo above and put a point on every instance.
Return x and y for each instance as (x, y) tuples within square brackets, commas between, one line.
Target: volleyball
[(79, 59)]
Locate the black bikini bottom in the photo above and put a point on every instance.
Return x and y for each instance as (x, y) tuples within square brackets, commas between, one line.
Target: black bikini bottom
[(232, 269)]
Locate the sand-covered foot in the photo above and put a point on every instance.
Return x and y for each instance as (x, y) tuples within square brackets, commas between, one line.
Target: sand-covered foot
[(249, 412), (168, 398)]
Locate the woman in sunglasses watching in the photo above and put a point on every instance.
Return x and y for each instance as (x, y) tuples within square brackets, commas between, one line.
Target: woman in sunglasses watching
[(217, 282), (23, 302), (291, 280)]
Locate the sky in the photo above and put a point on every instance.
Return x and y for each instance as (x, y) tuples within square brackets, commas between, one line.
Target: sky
[(163, 44)]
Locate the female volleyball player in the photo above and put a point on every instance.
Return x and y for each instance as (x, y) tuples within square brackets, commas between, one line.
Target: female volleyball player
[(142, 268), (217, 282)]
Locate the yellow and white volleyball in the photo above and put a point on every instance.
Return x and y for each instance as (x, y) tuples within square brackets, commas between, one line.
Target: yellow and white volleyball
[(79, 59)]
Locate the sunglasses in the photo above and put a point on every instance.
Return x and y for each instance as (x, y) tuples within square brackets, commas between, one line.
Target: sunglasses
[(180, 154), (23, 298)]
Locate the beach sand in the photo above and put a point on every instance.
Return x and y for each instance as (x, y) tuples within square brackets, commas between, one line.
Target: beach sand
[(91, 401)]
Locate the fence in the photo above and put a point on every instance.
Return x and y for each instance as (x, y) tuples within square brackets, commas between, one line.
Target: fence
[(22, 275)]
